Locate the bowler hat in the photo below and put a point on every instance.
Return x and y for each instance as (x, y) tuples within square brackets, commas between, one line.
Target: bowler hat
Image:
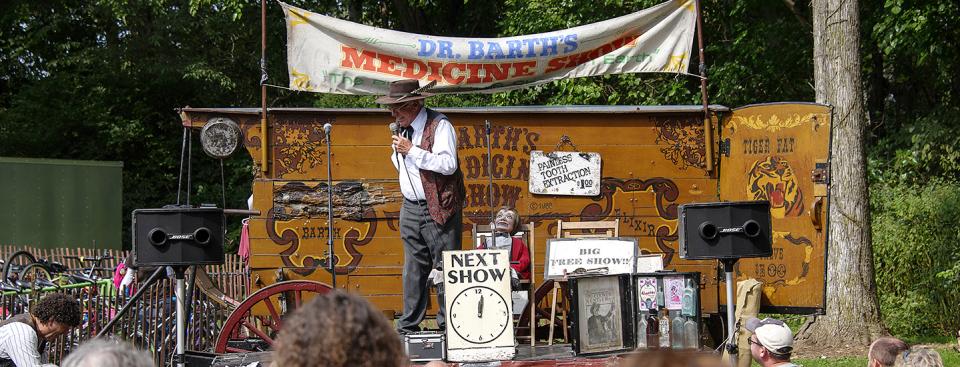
[(406, 90)]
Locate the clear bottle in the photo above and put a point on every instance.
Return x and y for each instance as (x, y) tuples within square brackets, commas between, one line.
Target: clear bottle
[(642, 330), (665, 329), (676, 331), (691, 334), (689, 299), (653, 330)]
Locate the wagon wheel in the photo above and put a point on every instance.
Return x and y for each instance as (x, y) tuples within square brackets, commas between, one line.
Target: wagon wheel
[(289, 295)]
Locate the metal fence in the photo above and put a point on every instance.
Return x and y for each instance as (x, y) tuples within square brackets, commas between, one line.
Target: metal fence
[(150, 323)]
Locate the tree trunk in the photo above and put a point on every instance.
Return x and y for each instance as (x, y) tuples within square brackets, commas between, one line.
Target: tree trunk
[(852, 312)]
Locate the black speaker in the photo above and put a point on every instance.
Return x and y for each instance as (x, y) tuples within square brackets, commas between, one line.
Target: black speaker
[(727, 230), (178, 236)]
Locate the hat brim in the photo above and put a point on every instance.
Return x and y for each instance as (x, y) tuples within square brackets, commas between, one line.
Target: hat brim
[(395, 100), (752, 324)]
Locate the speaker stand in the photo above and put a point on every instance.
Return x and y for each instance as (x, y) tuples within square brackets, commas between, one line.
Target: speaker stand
[(133, 300), (732, 349), (181, 292)]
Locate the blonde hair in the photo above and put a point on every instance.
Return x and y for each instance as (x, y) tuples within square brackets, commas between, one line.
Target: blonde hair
[(919, 357)]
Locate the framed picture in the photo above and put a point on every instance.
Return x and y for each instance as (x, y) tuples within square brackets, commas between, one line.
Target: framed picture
[(601, 310)]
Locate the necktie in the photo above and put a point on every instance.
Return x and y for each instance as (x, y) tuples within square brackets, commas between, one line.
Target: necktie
[(407, 132)]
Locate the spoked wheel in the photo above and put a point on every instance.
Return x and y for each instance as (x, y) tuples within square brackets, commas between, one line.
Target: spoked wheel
[(36, 276), (245, 332), (16, 262)]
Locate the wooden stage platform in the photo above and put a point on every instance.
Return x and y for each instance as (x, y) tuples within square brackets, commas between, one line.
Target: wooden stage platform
[(555, 355)]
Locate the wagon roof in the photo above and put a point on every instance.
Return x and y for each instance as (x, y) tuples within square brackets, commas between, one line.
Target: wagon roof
[(479, 110)]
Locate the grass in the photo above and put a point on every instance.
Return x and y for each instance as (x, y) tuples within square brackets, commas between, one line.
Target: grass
[(950, 358)]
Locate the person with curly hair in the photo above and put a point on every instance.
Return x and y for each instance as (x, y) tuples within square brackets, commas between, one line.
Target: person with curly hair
[(24, 337), (338, 329)]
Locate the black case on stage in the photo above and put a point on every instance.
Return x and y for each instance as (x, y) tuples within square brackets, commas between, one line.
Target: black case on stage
[(589, 293), (425, 346), (725, 230), (178, 236)]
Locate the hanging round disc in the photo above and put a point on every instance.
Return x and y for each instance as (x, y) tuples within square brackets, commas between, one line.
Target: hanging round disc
[(220, 137)]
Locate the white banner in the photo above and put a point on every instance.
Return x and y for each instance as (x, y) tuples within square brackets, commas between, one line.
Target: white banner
[(330, 55)]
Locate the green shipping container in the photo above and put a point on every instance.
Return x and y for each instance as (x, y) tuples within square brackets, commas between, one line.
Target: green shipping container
[(53, 203)]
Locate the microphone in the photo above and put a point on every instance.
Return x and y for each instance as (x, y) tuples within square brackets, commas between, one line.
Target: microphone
[(326, 128), (394, 128)]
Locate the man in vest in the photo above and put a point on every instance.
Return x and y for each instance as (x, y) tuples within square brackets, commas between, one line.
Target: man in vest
[(24, 337), (425, 155)]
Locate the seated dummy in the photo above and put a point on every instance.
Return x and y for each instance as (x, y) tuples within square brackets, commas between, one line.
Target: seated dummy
[(506, 224)]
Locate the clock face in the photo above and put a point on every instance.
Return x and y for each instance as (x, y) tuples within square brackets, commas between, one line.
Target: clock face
[(479, 315)]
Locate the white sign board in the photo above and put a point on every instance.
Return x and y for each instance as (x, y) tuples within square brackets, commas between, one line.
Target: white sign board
[(479, 307), (566, 255), (565, 173), (649, 263)]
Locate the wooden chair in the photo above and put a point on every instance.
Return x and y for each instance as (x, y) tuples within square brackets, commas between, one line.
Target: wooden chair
[(528, 234), (595, 229)]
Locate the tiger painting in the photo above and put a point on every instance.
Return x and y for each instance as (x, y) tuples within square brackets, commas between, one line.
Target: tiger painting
[(772, 179)]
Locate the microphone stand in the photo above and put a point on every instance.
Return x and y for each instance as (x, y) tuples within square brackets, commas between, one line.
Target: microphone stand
[(493, 214), (331, 259)]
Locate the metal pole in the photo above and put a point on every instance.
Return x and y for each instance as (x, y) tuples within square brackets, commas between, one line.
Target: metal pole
[(731, 305), (181, 318), (331, 259), (707, 126), (136, 297), (493, 213), (264, 133)]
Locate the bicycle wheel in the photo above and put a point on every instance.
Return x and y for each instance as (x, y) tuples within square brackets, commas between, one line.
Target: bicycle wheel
[(36, 275), (16, 262)]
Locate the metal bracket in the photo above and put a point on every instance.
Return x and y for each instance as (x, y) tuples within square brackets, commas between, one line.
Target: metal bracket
[(820, 174), (565, 140), (725, 147)]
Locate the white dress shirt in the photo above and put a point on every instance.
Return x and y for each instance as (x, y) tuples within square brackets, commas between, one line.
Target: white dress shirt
[(18, 342), (442, 160)]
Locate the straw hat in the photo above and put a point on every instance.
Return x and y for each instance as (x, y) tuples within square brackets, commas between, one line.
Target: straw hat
[(406, 90)]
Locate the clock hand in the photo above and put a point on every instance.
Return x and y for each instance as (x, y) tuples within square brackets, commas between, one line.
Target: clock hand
[(480, 308)]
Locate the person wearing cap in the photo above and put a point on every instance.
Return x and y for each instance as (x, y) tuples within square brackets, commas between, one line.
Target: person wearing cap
[(425, 156), (771, 342), (884, 351)]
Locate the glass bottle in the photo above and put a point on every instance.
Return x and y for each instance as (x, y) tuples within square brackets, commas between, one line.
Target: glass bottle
[(642, 330), (653, 330), (690, 334), (665, 329), (676, 330), (689, 299)]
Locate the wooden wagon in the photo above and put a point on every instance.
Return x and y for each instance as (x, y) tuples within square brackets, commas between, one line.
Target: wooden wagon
[(654, 159)]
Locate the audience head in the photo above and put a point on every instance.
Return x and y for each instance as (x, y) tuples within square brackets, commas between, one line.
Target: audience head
[(106, 353), (435, 364), (884, 351), (338, 329), (918, 357), (771, 342), (55, 315)]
